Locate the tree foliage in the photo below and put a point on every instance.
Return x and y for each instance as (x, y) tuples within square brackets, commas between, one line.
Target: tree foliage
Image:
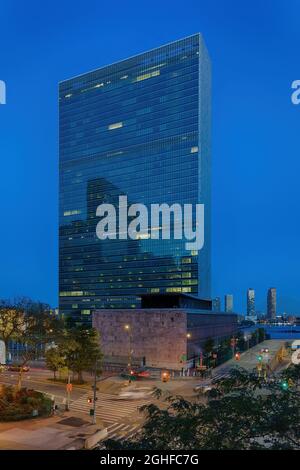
[(78, 349), (242, 412), (54, 360)]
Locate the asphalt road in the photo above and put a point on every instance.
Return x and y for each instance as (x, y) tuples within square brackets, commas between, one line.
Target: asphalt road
[(38, 379)]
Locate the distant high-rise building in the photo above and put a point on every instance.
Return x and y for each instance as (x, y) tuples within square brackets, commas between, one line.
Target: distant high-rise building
[(216, 304), (228, 303), (250, 302), (271, 301)]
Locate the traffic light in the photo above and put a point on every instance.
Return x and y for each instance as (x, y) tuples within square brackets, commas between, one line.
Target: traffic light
[(90, 400), (165, 376), (237, 356), (284, 385), (259, 358)]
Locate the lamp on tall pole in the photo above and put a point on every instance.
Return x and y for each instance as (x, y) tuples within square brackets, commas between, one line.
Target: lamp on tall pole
[(94, 420), (127, 328)]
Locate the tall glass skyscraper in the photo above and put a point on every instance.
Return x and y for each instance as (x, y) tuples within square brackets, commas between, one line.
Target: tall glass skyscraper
[(140, 128), (250, 302), (271, 303)]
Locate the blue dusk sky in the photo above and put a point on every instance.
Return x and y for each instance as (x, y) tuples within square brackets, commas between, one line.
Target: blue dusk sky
[(254, 48)]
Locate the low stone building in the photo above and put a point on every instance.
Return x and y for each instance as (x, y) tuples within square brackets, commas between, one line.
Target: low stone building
[(163, 337)]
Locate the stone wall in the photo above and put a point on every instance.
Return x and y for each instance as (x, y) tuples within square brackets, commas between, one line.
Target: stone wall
[(159, 336)]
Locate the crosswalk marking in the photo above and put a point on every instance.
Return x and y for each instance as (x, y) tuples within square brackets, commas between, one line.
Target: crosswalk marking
[(221, 375), (108, 408), (120, 432)]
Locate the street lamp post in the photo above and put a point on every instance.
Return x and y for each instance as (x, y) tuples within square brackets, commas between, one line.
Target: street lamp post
[(69, 388), (128, 329), (233, 342), (94, 420)]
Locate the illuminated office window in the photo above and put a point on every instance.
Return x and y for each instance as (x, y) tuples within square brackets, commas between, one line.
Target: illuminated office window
[(116, 125), (145, 76)]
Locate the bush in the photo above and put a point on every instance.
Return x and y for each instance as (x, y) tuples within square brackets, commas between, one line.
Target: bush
[(16, 406)]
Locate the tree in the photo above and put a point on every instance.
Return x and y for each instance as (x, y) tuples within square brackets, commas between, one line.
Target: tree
[(54, 360), (241, 342), (243, 412), (23, 316), (261, 334), (208, 345), (11, 323), (39, 330), (80, 347)]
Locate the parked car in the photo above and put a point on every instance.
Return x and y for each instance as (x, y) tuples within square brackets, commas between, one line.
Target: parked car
[(17, 368)]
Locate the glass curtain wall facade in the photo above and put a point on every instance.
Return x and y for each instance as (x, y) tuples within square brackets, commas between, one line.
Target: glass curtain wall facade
[(140, 128)]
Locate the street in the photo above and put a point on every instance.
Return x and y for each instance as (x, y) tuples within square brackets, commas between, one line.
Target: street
[(38, 379)]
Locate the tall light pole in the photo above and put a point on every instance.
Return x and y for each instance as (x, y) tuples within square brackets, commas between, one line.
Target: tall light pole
[(233, 342), (95, 394), (69, 389), (127, 328)]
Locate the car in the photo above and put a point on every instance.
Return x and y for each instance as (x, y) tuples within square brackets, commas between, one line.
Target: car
[(203, 388), (17, 368), (136, 393), (264, 350), (136, 374)]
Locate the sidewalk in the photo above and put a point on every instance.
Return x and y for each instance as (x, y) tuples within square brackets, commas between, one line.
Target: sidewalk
[(46, 433)]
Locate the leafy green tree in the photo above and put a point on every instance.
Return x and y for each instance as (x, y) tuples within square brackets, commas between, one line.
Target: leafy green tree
[(22, 316), (55, 361), (292, 375), (39, 330), (242, 412), (81, 349), (11, 323)]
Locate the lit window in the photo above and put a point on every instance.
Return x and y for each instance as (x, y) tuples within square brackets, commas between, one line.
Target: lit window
[(194, 252), (185, 275), (194, 149), (116, 125), (72, 212), (71, 294), (142, 236), (85, 312), (186, 289), (173, 289), (145, 76), (99, 85), (154, 290), (68, 95), (186, 260)]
